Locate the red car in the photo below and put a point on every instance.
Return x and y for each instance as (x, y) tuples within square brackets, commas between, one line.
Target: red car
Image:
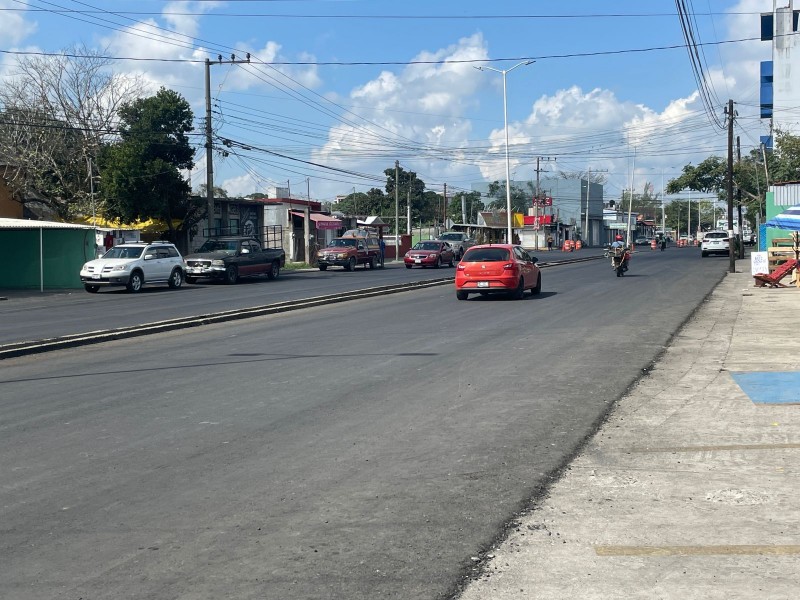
[(430, 253), (497, 268)]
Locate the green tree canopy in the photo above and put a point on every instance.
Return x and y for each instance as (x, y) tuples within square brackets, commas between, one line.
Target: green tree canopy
[(141, 172)]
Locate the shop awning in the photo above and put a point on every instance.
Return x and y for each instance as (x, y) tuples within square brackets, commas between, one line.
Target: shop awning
[(321, 221)]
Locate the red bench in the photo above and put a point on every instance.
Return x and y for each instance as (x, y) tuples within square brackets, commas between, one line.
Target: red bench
[(774, 278)]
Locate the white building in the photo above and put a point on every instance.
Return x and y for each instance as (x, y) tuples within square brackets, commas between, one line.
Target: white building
[(780, 77)]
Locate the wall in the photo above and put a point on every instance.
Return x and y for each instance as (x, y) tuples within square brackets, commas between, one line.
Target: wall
[(64, 251)]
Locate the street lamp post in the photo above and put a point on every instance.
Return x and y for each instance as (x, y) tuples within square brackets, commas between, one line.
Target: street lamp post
[(509, 233)]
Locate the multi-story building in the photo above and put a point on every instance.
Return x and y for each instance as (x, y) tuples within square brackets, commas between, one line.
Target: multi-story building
[(780, 77)]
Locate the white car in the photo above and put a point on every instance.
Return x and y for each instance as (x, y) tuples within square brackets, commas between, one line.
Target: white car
[(134, 264), (715, 242)]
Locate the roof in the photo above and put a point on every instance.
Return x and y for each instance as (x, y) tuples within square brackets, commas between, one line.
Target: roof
[(31, 224)]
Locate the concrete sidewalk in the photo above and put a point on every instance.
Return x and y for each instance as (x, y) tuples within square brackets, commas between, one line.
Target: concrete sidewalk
[(691, 489)]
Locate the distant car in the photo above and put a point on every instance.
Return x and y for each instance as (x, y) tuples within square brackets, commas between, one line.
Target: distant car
[(641, 241), (715, 242), (134, 264), (429, 253), (497, 268), (459, 241)]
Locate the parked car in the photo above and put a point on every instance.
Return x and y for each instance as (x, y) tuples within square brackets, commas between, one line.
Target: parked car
[(715, 242), (134, 264), (458, 240), (349, 251), (429, 253), (228, 258), (497, 268)]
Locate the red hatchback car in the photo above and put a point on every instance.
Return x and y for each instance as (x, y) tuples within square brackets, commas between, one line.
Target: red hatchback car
[(430, 253), (497, 268)]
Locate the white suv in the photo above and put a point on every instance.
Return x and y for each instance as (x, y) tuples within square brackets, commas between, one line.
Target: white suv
[(715, 242), (134, 264)]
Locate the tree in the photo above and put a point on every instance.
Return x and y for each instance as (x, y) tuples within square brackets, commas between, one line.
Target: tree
[(141, 172), (472, 205), (520, 199), (57, 112), (218, 191)]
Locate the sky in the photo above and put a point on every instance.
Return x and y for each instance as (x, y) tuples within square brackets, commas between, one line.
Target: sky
[(338, 90)]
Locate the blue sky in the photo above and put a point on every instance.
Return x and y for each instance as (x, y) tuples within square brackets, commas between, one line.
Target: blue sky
[(353, 85)]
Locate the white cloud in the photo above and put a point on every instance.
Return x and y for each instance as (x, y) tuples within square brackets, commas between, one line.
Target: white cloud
[(14, 27)]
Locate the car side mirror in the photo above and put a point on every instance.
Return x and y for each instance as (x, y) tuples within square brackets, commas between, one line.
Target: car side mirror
[(149, 256), (361, 246), (245, 251), (534, 260)]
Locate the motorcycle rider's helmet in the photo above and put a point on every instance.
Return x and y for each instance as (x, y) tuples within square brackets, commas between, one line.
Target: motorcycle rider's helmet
[(618, 238)]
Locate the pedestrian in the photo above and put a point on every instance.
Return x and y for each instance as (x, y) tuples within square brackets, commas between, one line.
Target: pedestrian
[(549, 243), (383, 250)]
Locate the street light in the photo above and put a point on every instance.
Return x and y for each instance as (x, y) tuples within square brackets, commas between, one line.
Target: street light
[(509, 233)]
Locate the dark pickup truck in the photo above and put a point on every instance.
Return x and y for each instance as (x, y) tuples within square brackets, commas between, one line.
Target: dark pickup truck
[(228, 258)]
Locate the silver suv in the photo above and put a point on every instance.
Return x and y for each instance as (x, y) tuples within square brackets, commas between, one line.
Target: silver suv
[(459, 241), (134, 264)]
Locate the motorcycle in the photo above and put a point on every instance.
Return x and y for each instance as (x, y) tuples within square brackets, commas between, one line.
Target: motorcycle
[(619, 260)]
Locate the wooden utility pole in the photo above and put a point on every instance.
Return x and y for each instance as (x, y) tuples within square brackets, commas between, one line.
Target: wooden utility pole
[(209, 140), (729, 191)]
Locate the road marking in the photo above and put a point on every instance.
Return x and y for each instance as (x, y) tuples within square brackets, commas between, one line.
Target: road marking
[(715, 448), (725, 550)]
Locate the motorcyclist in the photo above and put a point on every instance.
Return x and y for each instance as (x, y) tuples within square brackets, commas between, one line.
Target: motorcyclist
[(619, 243)]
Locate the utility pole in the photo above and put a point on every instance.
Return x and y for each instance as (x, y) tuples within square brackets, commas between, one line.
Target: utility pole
[(396, 211), (209, 141), (444, 212), (739, 201), (538, 199), (408, 207), (729, 191)]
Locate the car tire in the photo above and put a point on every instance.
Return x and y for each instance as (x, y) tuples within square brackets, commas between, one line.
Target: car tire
[(462, 295), (190, 279), (274, 271), (408, 266), (92, 289), (351, 264), (703, 254), (371, 262), (175, 279), (518, 293), (135, 282), (323, 267), (538, 287), (450, 264), (231, 275)]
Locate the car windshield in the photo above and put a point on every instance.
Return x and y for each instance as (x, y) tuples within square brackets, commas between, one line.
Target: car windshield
[(426, 246), (217, 245), (450, 236), (341, 243), (486, 255), (124, 252)]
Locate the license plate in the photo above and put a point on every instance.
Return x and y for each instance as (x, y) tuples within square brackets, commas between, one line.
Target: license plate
[(95, 276), (417, 260), (483, 284)]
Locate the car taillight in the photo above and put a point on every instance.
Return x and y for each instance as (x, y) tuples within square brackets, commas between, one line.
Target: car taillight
[(510, 266), (460, 266)]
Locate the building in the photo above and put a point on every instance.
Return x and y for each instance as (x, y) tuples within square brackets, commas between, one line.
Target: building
[(570, 198), (780, 77)]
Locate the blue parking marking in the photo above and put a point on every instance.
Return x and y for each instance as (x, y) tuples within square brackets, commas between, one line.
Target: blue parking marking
[(770, 387)]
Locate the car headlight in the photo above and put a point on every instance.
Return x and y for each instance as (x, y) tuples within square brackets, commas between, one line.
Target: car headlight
[(120, 267), (434, 255), (217, 263), (342, 256)]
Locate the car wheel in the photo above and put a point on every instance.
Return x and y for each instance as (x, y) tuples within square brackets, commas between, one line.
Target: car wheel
[(190, 279), (323, 267), (274, 270), (538, 287), (351, 264), (135, 282), (175, 279), (517, 293), (704, 254), (408, 266), (92, 289), (371, 262), (231, 274), (462, 295), (450, 264)]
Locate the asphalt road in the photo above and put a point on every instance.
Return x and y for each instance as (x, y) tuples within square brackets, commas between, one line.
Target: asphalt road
[(361, 450)]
